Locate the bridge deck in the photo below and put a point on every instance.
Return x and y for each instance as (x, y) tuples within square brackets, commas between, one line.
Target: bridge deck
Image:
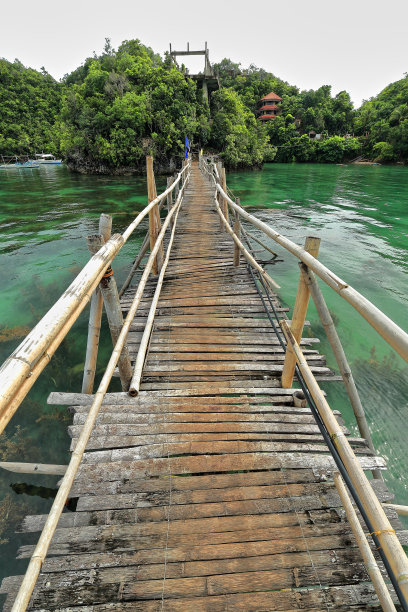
[(210, 490)]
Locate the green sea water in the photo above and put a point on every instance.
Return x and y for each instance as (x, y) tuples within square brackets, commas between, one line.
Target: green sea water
[(360, 214)]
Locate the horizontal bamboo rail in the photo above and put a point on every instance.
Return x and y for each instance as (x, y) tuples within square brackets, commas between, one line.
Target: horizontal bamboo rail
[(144, 343), (33, 468), (375, 512), (19, 372), (27, 586), (390, 331)]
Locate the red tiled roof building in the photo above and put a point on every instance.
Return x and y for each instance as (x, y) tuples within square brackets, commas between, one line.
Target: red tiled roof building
[(269, 107)]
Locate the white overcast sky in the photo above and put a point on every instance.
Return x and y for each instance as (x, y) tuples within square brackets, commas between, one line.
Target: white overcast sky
[(356, 45)]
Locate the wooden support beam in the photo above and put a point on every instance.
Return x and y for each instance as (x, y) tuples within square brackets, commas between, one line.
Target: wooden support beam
[(110, 296), (95, 316), (299, 315)]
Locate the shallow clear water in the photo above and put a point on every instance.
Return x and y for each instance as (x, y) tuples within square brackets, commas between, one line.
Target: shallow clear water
[(360, 213)]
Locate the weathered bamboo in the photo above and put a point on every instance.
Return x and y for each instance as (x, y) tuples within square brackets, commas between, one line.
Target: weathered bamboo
[(390, 331), (169, 196), (237, 232), (19, 372), (401, 510), (37, 559), (33, 468), (224, 201), (340, 356), (379, 521), (299, 315), (110, 296), (145, 341), (95, 316), (268, 279), (154, 215), (19, 366), (368, 557)]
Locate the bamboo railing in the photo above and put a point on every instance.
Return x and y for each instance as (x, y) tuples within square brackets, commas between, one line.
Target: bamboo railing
[(27, 586), (382, 532), (19, 372)]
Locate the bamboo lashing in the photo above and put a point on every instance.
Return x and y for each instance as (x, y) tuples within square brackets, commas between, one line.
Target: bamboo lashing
[(37, 559), (381, 525), (19, 372), (299, 315), (390, 331), (368, 557)]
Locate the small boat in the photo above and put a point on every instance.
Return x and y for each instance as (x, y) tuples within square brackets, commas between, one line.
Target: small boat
[(46, 158), (17, 163)]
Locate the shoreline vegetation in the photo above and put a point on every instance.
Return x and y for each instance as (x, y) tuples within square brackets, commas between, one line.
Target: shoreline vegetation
[(124, 104)]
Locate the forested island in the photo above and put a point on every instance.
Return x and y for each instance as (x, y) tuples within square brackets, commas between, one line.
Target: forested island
[(123, 104)]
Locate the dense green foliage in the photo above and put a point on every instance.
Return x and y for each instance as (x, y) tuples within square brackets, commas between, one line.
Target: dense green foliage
[(382, 123), (119, 106), (29, 107)]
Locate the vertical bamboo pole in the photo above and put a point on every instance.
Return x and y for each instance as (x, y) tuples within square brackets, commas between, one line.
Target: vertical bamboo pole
[(110, 296), (237, 231), (170, 180), (224, 186), (340, 356), (368, 557), (299, 315), (154, 215), (95, 316)]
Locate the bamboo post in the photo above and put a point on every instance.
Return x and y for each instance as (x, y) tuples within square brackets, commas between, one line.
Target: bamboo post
[(237, 232), (340, 356), (110, 296), (299, 315), (95, 316), (368, 557), (381, 526), (154, 215), (224, 201), (170, 180)]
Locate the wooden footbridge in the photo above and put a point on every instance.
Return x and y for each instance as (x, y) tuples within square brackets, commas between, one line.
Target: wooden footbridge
[(211, 483)]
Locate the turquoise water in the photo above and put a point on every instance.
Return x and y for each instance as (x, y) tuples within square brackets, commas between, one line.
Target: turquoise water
[(360, 213)]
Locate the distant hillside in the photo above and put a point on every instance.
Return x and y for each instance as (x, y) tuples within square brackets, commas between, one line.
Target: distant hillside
[(30, 104), (123, 104), (382, 123)]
